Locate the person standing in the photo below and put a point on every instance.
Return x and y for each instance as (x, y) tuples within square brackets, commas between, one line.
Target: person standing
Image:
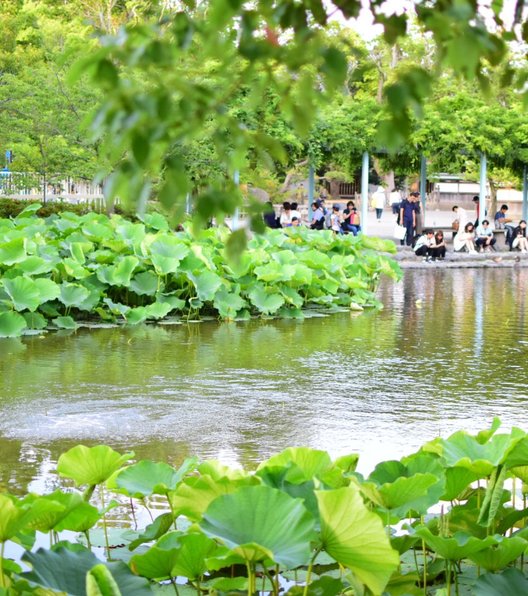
[(395, 200), (378, 202), (408, 219)]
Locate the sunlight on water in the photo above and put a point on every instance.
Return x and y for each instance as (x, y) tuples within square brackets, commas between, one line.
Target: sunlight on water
[(448, 352)]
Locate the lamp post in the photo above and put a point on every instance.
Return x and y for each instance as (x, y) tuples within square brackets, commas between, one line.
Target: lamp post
[(364, 191)]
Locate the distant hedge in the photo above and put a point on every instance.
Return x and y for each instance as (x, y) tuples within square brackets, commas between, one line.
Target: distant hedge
[(12, 207)]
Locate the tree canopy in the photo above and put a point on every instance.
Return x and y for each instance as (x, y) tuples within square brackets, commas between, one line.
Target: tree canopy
[(180, 95)]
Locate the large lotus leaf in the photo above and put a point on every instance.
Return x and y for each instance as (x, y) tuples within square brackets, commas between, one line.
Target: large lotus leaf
[(193, 495), (193, 552), (308, 463), (406, 494), (34, 265), (355, 537), (11, 324), (122, 271), (157, 563), (48, 289), (97, 231), (315, 259), (175, 302), (77, 252), (132, 234), (518, 454), (14, 517), (292, 296), (511, 582), (146, 283), (73, 294), (64, 322), (13, 251), (35, 320), (90, 465), (116, 308), (206, 284), (158, 310), (23, 292), (259, 521), (137, 315), (273, 272), (228, 304), (156, 221), (127, 583), (147, 477), (463, 450), (62, 570), (49, 510), (498, 556), (166, 252), (72, 269), (459, 546), (158, 528), (28, 210), (266, 302), (242, 266), (100, 582), (81, 518), (457, 480)]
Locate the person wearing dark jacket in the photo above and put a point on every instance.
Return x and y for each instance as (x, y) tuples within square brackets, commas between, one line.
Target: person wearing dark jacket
[(270, 219), (519, 239)]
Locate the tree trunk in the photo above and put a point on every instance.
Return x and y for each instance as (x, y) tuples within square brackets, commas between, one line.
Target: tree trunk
[(493, 199)]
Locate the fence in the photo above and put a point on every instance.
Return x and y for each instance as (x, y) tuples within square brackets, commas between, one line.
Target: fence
[(27, 185)]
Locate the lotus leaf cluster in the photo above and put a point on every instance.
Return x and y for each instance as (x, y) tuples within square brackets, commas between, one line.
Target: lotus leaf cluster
[(448, 519), (68, 268)]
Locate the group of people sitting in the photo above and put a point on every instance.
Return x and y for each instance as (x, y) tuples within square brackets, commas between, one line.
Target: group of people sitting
[(340, 222)]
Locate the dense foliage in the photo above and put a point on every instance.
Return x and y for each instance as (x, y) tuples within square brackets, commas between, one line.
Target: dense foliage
[(449, 515), (73, 267)]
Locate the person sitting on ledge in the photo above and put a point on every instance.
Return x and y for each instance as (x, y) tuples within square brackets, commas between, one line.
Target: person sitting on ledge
[(438, 249), (465, 241), (485, 239), (519, 239), (423, 245), (501, 217)]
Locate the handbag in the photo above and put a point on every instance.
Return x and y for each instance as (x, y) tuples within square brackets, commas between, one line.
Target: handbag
[(399, 232)]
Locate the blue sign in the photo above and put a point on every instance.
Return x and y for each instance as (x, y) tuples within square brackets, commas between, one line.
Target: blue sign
[(8, 155)]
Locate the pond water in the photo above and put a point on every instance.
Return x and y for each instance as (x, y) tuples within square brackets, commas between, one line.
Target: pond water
[(448, 351)]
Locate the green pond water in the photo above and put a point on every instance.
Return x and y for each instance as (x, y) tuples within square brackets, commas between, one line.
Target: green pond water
[(449, 351)]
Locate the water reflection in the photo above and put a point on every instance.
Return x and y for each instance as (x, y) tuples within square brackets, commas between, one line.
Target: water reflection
[(447, 352)]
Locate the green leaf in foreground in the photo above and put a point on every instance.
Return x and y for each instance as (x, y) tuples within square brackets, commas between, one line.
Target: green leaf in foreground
[(355, 537), (11, 324), (91, 465), (510, 582), (259, 522), (23, 292)]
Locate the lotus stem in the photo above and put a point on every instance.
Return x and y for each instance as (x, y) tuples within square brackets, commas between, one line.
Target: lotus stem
[(251, 576), (309, 572), (2, 579), (105, 529), (88, 543), (173, 582), (276, 582), (133, 511)]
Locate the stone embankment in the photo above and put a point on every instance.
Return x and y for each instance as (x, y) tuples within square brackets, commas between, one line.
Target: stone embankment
[(499, 258)]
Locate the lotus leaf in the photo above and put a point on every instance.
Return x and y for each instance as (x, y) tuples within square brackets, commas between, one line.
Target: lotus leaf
[(91, 465), (193, 552), (459, 546), (259, 522), (206, 284), (48, 289), (159, 527), (23, 292), (228, 304), (64, 323), (13, 251), (73, 294), (11, 324), (266, 302), (302, 463), (510, 582), (62, 570), (145, 283), (499, 555), (134, 316), (34, 320), (34, 265), (147, 477), (100, 582), (347, 526), (193, 496)]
